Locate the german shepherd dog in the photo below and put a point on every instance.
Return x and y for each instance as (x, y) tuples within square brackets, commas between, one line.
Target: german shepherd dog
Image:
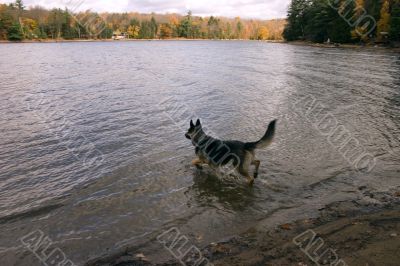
[(216, 153)]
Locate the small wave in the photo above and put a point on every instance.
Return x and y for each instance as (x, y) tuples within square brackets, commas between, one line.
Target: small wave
[(29, 213)]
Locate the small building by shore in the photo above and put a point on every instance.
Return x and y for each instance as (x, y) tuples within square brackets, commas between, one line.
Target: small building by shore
[(119, 36)]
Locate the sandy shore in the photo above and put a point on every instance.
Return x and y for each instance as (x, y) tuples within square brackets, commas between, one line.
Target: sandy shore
[(364, 239), (360, 232)]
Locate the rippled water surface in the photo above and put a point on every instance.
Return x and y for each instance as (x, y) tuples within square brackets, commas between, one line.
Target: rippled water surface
[(93, 151)]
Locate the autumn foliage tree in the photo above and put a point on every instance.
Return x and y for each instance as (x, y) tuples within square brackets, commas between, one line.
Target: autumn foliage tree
[(165, 31), (263, 33), (383, 26), (6, 21), (40, 23)]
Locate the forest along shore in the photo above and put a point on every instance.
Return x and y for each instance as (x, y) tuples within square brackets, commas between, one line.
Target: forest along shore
[(32, 23), (365, 231), (132, 40)]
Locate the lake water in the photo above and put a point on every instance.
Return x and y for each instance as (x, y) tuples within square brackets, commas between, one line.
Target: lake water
[(93, 151)]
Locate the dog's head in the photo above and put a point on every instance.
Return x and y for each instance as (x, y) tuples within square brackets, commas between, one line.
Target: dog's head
[(193, 130)]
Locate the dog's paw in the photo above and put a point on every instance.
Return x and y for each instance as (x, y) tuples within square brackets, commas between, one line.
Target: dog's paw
[(250, 181)]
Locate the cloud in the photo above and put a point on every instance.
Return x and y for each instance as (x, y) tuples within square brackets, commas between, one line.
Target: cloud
[(265, 9), (262, 9), (95, 5)]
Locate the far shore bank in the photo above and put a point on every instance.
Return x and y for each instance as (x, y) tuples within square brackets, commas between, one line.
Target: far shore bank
[(345, 45), (299, 43), (131, 40)]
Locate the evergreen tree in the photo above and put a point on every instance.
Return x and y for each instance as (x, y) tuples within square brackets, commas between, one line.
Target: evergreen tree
[(394, 32), (186, 26), (228, 33), (19, 5), (106, 33), (67, 31), (56, 20), (14, 32), (315, 27), (213, 28), (339, 30), (320, 20), (6, 21), (153, 27), (373, 8), (146, 31), (294, 29), (239, 29)]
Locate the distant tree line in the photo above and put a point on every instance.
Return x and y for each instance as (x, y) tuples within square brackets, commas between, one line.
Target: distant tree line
[(343, 21), (18, 22)]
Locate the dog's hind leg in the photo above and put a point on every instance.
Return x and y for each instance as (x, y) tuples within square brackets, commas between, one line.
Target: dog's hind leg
[(244, 170), (256, 163)]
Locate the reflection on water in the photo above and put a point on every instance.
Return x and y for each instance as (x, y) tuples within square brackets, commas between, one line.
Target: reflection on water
[(125, 99), (209, 190)]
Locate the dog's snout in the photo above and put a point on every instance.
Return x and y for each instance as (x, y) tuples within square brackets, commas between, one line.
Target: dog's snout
[(187, 136)]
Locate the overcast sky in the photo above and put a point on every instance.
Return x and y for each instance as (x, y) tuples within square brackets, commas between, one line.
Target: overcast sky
[(263, 9)]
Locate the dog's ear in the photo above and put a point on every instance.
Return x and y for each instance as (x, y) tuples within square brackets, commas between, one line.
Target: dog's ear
[(191, 123), (198, 123)]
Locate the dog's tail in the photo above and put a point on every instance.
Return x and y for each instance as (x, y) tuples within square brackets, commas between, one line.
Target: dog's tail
[(265, 140)]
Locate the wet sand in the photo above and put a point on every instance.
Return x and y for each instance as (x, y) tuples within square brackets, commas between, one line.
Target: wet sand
[(358, 232), (367, 239)]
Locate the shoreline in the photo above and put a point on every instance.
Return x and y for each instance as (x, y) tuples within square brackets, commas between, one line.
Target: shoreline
[(370, 47), (345, 46), (365, 231), (131, 40)]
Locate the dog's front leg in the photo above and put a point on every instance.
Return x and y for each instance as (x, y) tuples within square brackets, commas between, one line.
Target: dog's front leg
[(245, 172), (256, 163), (197, 162)]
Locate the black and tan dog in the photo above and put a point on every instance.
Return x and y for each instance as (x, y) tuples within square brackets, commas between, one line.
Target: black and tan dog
[(238, 155)]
